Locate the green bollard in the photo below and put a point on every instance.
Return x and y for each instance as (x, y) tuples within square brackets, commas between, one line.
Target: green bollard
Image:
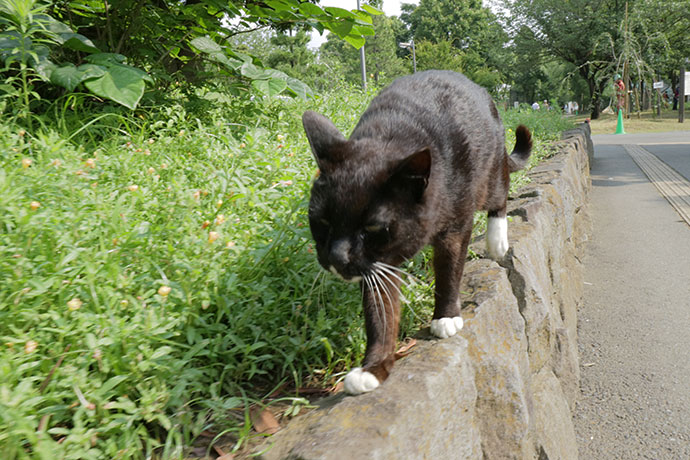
[(619, 126)]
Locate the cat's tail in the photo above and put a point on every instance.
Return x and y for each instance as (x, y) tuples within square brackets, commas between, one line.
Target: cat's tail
[(523, 147)]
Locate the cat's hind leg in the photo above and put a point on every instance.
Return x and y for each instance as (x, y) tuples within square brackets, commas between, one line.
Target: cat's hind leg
[(497, 234)]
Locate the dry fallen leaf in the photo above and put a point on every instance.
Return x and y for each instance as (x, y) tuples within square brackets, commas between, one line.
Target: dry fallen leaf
[(263, 420), (405, 349)]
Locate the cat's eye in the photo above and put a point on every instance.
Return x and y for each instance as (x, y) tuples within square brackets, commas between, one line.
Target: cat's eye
[(374, 228), (324, 222)]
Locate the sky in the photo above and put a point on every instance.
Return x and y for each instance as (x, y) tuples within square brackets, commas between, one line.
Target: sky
[(390, 7)]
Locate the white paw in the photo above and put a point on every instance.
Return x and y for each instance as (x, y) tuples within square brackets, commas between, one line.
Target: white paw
[(358, 381), (446, 327), (497, 237)]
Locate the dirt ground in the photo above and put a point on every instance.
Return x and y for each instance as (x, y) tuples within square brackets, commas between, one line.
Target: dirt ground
[(648, 122)]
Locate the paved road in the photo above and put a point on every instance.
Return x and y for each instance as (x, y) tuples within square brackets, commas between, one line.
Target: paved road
[(634, 325)]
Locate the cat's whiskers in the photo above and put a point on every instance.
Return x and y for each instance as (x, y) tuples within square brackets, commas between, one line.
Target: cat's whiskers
[(385, 280), (381, 269), (390, 272), (392, 268)]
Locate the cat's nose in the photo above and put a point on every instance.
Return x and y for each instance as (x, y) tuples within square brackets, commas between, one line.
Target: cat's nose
[(340, 254)]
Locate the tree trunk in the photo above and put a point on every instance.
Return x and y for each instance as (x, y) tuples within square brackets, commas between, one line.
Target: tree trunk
[(595, 98)]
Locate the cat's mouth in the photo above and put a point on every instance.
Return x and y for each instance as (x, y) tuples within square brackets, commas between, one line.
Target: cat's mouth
[(348, 278)]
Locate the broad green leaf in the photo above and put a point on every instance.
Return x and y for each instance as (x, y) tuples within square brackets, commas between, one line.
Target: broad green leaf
[(298, 88), (371, 10), (44, 68), (280, 5), (342, 29), (309, 9), (67, 76), (106, 59), (122, 84), (355, 41), (318, 26), (339, 12), (363, 17), (52, 25), (11, 40), (253, 72), (79, 42), (271, 87), (206, 45), (362, 30), (92, 71), (243, 57)]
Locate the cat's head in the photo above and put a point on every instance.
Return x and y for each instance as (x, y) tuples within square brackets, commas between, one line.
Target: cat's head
[(367, 205)]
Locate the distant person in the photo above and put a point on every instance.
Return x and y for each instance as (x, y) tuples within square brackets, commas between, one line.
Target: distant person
[(676, 94), (576, 107), (535, 106), (546, 105), (619, 86)]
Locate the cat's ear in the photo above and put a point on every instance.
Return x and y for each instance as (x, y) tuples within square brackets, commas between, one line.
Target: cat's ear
[(324, 138), (413, 173)]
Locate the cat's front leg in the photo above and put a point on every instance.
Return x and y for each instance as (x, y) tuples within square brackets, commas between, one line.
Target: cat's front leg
[(449, 262), (381, 307)]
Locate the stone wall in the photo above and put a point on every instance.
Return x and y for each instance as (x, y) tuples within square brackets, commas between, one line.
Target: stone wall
[(503, 388)]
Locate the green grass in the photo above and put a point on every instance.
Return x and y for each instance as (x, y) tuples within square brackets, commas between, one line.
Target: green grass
[(98, 358)]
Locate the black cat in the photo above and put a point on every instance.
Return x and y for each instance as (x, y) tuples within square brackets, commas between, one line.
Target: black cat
[(427, 153)]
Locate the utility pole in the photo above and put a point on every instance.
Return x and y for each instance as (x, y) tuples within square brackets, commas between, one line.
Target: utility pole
[(626, 69), (362, 63), (410, 46), (414, 57), (681, 95), (658, 96)]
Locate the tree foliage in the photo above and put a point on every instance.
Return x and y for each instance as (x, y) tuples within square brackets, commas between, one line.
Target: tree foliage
[(597, 38), (113, 48), (467, 26), (382, 61)]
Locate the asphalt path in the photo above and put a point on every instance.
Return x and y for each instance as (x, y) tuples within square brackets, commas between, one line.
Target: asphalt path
[(634, 324)]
